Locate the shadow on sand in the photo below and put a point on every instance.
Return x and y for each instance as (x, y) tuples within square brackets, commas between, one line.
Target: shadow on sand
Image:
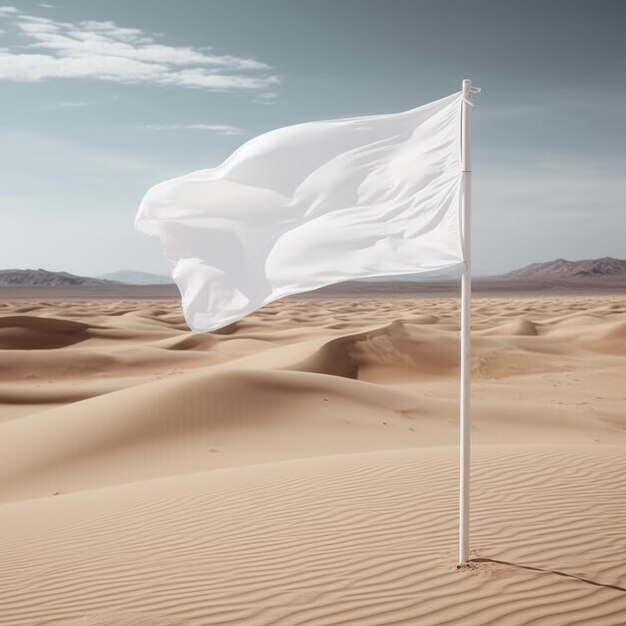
[(545, 571)]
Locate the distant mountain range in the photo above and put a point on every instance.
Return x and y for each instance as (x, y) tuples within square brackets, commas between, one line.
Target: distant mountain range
[(29, 278), (558, 270), (40, 277), (130, 277)]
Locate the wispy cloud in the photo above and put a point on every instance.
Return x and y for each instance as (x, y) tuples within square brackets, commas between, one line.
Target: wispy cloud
[(221, 129), (47, 6), (266, 98), (106, 51), (70, 104)]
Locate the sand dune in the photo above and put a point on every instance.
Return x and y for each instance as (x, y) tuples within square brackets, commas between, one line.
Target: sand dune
[(299, 467), (25, 332)]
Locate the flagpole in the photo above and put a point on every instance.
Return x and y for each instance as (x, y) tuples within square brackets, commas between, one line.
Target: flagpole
[(466, 299)]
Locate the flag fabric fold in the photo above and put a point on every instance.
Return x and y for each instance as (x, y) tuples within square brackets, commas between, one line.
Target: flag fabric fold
[(310, 205)]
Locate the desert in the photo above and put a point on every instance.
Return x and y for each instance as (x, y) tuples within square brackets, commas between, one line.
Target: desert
[(301, 465)]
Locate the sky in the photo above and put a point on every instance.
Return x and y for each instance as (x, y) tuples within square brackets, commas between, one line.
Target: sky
[(101, 100)]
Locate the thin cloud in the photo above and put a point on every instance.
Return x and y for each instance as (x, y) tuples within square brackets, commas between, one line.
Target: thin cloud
[(267, 98), (47, 6), (71, 104), (221, 129), (103, 50)]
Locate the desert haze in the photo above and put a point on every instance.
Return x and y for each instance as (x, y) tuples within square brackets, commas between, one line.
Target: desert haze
[(300, 466)]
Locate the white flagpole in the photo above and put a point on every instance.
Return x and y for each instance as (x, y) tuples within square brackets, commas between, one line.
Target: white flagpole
[(466, 299)]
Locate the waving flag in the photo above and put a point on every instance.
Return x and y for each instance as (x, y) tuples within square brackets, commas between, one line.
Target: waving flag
[(310, 205)]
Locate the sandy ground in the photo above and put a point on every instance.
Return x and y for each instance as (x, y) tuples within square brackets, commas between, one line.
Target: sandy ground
[(300, 466)]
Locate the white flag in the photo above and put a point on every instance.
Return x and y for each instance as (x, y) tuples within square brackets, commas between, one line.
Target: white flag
[(310, 205)]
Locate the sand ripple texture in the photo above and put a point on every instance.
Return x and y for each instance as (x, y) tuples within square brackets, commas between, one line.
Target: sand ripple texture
[(300, 466)]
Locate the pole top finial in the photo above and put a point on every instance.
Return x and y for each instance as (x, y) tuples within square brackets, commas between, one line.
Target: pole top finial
[(469, 91)]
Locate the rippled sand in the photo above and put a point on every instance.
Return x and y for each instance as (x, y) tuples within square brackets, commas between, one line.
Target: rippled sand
[(300, 466)]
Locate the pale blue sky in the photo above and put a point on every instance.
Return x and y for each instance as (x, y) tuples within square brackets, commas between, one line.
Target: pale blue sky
[(100, 100)]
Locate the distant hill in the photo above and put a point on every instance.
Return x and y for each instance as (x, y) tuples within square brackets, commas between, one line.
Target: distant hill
[(560, 269), (31, 278), (592, 275), (130, 277)]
